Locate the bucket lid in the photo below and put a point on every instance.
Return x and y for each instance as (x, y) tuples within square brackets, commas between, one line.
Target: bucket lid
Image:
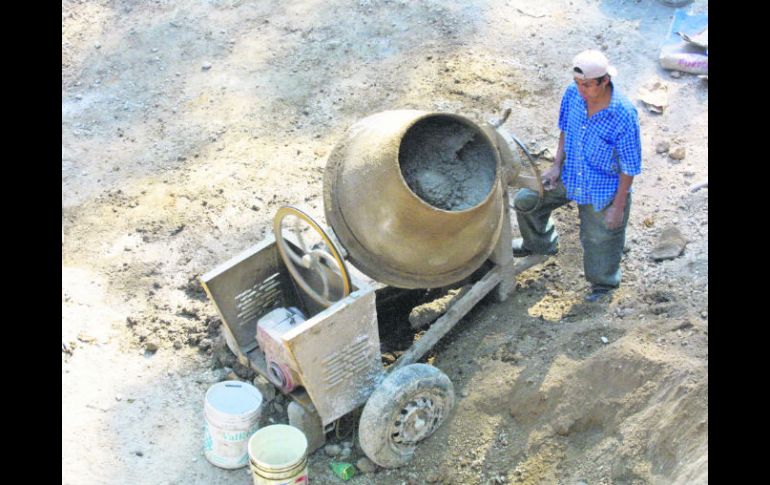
[(234, 397)]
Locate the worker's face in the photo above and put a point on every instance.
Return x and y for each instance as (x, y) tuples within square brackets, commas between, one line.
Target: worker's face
[(590, 89)]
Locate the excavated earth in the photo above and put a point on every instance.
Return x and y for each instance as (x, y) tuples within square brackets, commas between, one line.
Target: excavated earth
[(186, 124)]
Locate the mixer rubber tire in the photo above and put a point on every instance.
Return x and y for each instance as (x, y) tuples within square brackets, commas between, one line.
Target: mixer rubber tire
[(406, 408)]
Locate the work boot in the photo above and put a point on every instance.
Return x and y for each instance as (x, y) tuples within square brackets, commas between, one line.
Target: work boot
[(520, 251), (598, 294)]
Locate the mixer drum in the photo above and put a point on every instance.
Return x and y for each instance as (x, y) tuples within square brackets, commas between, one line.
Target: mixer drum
[(415, 197)]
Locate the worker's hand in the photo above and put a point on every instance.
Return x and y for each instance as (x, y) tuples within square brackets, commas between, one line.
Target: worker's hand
[(613, 217), (551, 176)]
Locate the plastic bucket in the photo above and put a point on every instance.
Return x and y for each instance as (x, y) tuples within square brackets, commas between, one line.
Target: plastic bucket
[(278, 455), (232, 410)]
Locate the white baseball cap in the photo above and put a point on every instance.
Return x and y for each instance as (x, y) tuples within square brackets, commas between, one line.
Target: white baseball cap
[(592, 64)]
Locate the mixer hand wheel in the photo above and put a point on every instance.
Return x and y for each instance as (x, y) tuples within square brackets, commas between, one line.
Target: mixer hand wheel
[(311, 258)]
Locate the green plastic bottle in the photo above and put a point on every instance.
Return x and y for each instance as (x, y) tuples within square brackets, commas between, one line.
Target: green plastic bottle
[(343, 470)]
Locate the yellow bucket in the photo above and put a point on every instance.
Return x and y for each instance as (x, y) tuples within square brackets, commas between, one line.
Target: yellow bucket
[(278, 455)]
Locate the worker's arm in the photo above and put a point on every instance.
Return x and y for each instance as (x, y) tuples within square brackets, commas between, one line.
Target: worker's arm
[(551, 176)]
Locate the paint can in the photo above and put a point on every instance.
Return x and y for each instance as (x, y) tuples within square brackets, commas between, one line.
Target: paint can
[(232, 410)]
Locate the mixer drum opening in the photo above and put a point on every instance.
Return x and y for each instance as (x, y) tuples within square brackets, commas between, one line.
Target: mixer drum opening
[(415, 198), (447, 164)]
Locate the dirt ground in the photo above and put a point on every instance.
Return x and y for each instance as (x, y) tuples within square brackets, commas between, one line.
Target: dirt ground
[(186, 124)]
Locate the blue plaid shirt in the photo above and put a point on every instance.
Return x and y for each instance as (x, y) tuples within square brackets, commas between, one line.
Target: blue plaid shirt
[(598, 148)]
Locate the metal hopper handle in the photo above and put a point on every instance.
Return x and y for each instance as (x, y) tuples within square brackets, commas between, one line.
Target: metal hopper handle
[(311, 259), (532, 163)]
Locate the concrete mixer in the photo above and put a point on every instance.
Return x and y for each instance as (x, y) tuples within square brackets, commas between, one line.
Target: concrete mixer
[(417, 202)]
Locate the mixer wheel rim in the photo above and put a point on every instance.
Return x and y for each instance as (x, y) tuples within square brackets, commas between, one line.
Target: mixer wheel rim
[(382, 429)]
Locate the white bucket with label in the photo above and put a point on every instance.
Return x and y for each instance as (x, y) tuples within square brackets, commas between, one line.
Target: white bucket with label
[(232, 410), (278, 455)]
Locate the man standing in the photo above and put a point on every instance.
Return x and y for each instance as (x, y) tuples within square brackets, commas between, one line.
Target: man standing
[(598, 156)]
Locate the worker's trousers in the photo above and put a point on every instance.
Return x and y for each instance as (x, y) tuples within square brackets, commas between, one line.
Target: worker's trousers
[(602, 247)]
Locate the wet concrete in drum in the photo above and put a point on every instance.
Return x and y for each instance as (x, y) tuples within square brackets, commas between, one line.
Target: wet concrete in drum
[(447, 164)]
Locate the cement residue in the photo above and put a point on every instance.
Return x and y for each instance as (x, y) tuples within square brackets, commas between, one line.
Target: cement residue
[(447, 164), (424, 314)]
